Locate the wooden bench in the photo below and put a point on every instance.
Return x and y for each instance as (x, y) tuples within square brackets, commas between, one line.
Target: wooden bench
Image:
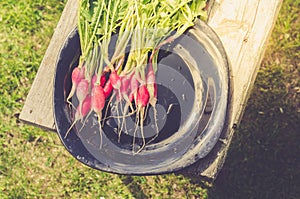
[(243, 26)]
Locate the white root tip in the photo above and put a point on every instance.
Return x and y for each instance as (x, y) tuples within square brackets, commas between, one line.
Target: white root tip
[(100, 130), (67, 133)]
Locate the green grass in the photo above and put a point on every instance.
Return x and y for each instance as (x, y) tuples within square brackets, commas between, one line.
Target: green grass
[(263, 160)]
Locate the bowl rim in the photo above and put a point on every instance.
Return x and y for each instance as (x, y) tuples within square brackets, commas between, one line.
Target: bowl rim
[(85, 155)]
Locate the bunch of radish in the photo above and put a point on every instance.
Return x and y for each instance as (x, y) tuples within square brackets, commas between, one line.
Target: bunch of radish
[(102, 77)]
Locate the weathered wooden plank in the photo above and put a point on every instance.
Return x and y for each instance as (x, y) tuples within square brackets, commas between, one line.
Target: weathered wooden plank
[(244, 27), (38, 108)]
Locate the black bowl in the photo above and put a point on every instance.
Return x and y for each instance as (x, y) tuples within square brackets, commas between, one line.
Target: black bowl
[(193, 107)]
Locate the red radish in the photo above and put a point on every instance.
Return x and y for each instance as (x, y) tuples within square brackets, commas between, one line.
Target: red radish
[(151, 84), (142, 96), (150, 75), (82, 90), (98, 102), (134, 85), (120, 88), (94, 79), (107, 88), (142, 101), (77, 76), (98, 99), (86, 106), (128, 82), (123, 94), (132, 96), (115, 80), (125, 83), (93, 82), (152, 88), (102, 80), (81, 112)]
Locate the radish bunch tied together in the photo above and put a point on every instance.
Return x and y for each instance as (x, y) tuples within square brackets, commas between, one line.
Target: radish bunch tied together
[(126, 76)]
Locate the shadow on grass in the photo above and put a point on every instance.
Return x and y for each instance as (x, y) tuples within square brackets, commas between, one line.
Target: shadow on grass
[(134, 188), (263, 159)]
